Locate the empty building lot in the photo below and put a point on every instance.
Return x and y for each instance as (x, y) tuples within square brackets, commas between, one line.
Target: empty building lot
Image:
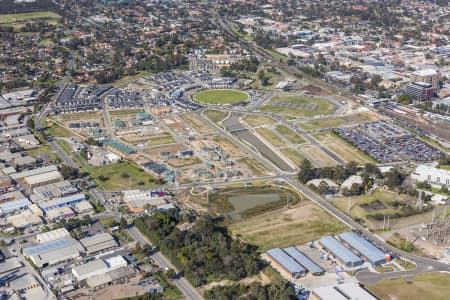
[(388, 143)]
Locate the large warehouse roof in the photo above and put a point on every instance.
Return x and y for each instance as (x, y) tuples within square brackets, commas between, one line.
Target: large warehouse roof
[(367, 249), (337, 249), (49, 236), (286, 261), (50, 246), (62, 201), (304, 260), (12, 206), (355, 291), (36, 171)]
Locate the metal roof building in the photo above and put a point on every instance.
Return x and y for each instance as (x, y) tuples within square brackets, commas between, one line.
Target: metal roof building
[(64, 201), (53, 235), (339, 251), (303, 260), (12, 206), (327, 293), (374, 255), (98, 242), (53, 252), (20, 176), (286, 262), (355, 291)]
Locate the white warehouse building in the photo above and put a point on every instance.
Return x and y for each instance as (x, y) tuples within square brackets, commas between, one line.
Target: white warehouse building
[(434, 176)]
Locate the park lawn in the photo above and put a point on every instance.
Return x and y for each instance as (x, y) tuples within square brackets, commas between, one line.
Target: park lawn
[(65, 146), (216, 116), (121, 176), (40, 150), (343, 148), (282, 228), (221, 97), (294, 156), (317, 156), (290, 134), (18, 20), (258, 120), (271, 137), (130, 78), (430, 286), (57, 130), (336, 122), (162, 140), (199, 124), (323, 106)]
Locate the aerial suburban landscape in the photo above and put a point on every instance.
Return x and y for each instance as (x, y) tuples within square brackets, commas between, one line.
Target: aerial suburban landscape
[(225, 149)]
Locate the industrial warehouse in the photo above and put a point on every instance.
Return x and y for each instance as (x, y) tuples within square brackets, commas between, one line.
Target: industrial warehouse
[(331, 258)]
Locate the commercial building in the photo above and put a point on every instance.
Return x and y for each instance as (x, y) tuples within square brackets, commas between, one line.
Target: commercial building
[(98, 267), (52, 235), (19, 177), (55, 190), (10, 207), (136, 200), (345, 291), (10, 265), (280, 259), (427, 76), (43, 179), (305, 261), (61, 202), (59, 213), (343, 254), (121, 274), (27, 287), (98, 243), (24, 219), (434, 176), (420, 91), (54, 252), (365, 248)]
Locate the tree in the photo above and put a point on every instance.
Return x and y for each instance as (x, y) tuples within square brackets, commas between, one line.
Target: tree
[(306, 171), (323, 187), (123, 223)]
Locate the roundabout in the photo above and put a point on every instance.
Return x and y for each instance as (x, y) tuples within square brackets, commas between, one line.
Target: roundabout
[(221, 97)]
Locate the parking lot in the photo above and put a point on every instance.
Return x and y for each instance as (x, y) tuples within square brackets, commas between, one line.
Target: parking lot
[(389, 143)]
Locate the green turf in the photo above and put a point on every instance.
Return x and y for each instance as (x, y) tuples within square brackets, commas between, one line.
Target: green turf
[(271, 137), (290, 134), (221, 97), (431, 286), (121, 176), (162, 140), (18, 20), (215, 116), (57, 130), (324, 107)]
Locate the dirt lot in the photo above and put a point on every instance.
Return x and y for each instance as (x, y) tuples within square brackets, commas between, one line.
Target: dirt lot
[(172, 149), (314, 90), (177, 125), (195, 121)]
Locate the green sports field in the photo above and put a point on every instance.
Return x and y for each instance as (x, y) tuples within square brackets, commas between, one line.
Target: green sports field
[(221, 97)]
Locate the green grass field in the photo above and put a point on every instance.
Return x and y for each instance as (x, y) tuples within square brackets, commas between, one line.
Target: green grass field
[(121, 176), (339, 121), (18, 20), (221, 97), (40, 150), (216, 116), (287, 227), (258, 120), (343, 148), (323, 106), (58, 131), (431, 286), (161, 141), (290, 134), (271, 137), (294, 156)]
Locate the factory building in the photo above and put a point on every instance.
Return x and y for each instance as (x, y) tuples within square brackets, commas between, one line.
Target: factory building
[(43, 179), (345, 291), (61, 202), (343, 254), (434, 176), (52, 235), (98, 243), (54, 252), (279, 259), (365, 248), (10, 207), (19, 177), (305, 261), (98, 267)]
